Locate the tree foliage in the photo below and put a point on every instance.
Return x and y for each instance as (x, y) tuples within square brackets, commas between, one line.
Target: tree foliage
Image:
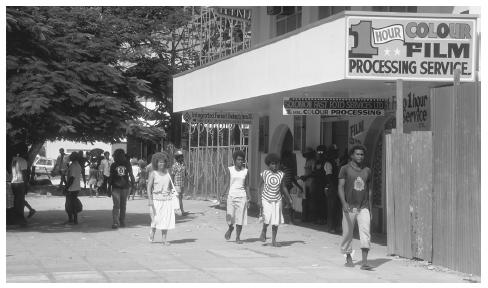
[(159, 43), (77, 73), (64, 77)]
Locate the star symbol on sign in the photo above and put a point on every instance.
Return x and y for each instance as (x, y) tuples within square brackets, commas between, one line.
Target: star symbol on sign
[(397, 51), (387, 51)]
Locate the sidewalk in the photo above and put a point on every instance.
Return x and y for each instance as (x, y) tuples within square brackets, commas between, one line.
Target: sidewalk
[(49, 251)]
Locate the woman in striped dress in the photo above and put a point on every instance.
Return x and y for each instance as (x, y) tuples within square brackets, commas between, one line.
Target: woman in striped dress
[(271, 185)]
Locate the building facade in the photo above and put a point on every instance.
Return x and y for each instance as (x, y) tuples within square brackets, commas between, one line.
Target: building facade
[(302, 56)]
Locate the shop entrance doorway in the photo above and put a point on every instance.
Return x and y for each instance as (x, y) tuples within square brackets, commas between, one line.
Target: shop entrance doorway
[(340, 136)]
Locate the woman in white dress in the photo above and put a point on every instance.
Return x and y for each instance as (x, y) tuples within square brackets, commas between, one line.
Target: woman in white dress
[(236, 183), (160, 194)]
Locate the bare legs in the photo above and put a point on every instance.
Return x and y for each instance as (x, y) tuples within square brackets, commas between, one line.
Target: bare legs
[(274, 232), (164, 234)]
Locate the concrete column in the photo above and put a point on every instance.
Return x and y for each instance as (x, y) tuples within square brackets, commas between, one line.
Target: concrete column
[(260, 26), (254, 159)]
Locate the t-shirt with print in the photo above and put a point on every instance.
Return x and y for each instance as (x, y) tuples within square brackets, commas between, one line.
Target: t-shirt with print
[(119, 174), (356, 186)]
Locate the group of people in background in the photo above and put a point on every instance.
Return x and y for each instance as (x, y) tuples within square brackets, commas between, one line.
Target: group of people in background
[(119, 177), (99, 172), (321, 203)]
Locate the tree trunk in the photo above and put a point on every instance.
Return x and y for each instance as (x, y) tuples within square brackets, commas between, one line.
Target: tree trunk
[(33, 151)]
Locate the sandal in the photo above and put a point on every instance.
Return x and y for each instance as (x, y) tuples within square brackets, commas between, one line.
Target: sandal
[(151, 237), (366, 267), (228, 233)]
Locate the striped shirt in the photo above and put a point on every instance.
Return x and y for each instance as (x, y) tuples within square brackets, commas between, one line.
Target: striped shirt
[(272, 182)]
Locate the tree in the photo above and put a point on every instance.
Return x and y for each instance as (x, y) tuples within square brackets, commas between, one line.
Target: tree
[(64, 77), (160, 42)]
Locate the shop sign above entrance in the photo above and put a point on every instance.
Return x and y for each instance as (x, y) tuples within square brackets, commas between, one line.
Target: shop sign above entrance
[(334, 106), (408, 48), (217, 117)]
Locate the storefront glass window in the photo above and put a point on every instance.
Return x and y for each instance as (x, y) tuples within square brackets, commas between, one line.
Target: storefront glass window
[(287, 23)]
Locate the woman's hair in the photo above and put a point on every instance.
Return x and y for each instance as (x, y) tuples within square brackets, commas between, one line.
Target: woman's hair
[(271, 158), (357, 147), (157, 157), (238, 153), (119, 156)]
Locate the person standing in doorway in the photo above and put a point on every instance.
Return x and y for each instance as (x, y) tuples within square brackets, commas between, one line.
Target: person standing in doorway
[(237, 185), (319, 198), (307, 211), (160, 195), (270, 187), (355, 195), (331, 167), (119, 185)]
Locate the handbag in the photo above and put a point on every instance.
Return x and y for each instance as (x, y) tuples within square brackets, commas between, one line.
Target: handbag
[(174, 199), (78, 205)]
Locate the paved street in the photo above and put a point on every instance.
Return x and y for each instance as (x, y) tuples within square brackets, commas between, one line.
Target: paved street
[(49, 251)]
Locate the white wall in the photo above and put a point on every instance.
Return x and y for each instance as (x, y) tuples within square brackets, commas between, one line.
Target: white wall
[(301, 60)]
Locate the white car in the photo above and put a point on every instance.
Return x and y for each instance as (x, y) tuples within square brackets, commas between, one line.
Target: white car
[(44, 165)]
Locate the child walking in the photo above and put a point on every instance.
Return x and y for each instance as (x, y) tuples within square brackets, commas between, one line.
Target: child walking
[(160, 193), (271, 203)]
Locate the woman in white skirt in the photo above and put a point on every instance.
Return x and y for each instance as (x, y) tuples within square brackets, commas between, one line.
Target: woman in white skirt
[(160, 194), (236, 183), (271, 203)]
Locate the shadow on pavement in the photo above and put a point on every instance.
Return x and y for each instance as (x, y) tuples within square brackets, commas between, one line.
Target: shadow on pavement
[(374, 262), (376, 238), (289, 243), (90, 221), (182, 241), (251, 240), (253, 212)]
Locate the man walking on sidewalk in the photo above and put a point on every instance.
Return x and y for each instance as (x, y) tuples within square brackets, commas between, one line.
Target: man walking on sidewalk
[(355, 194)]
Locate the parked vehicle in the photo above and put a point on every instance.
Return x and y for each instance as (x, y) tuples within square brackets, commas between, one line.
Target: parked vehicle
[(44, 166)]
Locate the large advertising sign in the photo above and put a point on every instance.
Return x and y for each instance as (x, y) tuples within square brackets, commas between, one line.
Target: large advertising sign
[(334, 106), (217, 117), (431, 49)]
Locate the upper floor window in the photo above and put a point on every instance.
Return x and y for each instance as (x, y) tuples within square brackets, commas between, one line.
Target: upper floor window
[(411, 9), (326, 11), (289, 21)]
